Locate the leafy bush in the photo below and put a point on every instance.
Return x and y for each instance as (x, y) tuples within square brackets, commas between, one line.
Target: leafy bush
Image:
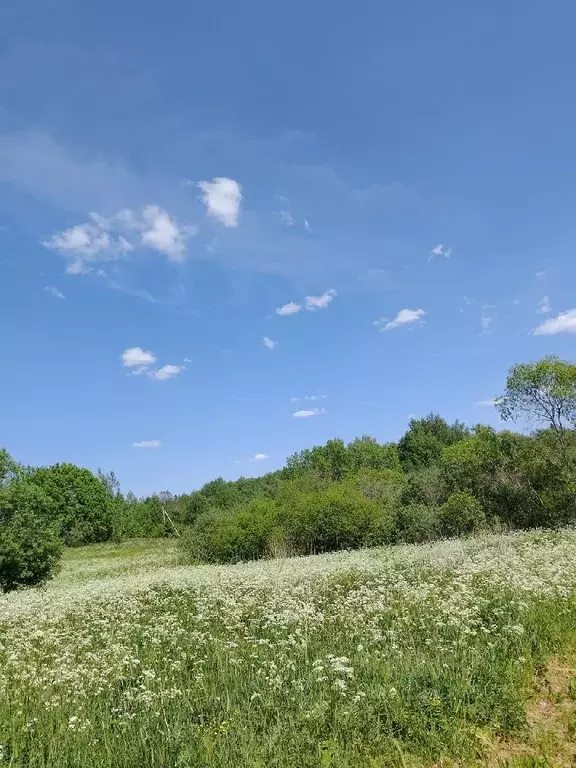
[(426, 486), (339, 517), (30, 549), (243, 534), (461, 514), (79, 501), (416, 523)]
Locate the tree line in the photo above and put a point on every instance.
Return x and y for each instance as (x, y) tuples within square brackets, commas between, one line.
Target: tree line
[(438, 480)]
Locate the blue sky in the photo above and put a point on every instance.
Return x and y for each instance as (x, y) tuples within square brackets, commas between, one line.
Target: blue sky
[(400, 178)]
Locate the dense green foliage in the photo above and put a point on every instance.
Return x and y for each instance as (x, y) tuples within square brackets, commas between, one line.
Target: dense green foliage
[(29, 545), (79, 501)]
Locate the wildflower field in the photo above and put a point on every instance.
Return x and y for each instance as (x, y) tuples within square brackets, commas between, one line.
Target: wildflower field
[(407, 656)]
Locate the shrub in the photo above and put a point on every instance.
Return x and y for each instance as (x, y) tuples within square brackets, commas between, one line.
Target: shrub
[(426, 486), (30, 549), (461, 514), (242, 534), (338, 517), (416, 523)]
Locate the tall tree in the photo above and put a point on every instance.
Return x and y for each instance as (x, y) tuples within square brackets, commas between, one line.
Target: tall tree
[(542, 392), (423, 443)]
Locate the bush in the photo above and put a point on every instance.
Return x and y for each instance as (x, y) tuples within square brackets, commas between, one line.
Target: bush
[(461, 514), (416, 523), (242, 534), (426, 486), (30, 549), (79, 501), (338, 517)]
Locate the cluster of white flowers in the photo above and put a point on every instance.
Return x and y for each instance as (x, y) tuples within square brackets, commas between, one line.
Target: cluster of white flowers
[(285, 634)]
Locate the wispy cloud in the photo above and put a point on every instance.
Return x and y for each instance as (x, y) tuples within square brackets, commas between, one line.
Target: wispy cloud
[(269, 343), (222, 197), (487, 403), (102, 239), (259, 457), (544, 306), (440, 250), (306, 414), (136, 356), (320, 302), (148, 444), (311, 303), (289, 309), (166, 372), (404, 317), (565, 322), (308, 398), (287, 219), (54, 292), (485, 323), (541, 273)]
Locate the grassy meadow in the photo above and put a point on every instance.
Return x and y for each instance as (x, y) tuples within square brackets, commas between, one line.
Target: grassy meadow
[(404, 656)]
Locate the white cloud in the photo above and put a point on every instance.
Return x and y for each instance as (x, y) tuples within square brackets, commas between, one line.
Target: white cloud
[(140, 370), (404, 317), (320, 302), (309, 414), (289, 309), (544, 306), (136, 356), (565, 322), (85, 243), (287, 219), (541, 273), (104, 239), (309, 398), (54, 292), (162, 234), (487, 403), (222, 197), (148, 444), (269, 343), (306, 225), (440, 250), (485, 323), (259, 457), (166, 372)]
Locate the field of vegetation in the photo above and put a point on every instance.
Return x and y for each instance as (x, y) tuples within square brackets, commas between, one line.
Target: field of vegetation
[(400, 656)]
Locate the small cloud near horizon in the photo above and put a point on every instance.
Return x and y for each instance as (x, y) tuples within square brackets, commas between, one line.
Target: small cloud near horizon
[(148, 444), (404, 317)]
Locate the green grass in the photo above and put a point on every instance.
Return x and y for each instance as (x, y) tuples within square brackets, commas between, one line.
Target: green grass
[(106, 560), (410, 656)]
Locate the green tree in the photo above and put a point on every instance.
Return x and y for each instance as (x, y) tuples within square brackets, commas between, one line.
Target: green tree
[(423, 443), (9, 468), (367, 453), (30, 548), (542, 392), (82, 504), (514, 477)]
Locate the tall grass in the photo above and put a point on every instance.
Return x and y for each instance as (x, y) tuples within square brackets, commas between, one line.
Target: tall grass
[(393, 657)]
